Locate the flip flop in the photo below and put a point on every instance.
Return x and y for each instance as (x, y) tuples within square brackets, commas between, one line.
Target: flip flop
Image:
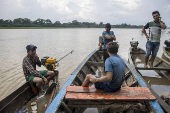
[(41, 96)]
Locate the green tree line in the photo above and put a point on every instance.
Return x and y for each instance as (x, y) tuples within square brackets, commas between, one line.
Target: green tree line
[(25, 22)]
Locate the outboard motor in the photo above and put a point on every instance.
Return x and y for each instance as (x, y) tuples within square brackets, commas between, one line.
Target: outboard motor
[(134, 44)]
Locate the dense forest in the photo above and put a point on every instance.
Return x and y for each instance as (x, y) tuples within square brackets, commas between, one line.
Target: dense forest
[(25, 22)]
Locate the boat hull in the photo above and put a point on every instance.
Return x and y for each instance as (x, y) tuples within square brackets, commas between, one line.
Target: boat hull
[(165, 56), (22, 98), (157, 76), (92, 65)]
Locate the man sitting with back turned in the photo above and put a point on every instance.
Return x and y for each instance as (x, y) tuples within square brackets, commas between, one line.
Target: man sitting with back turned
[(30, 72), (115, 68)]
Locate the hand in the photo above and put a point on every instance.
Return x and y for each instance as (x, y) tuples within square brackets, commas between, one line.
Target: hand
[(107, 37), (113, 37), (45, 80), (93, 79), (36, 57), (159, 19), (147, 37)]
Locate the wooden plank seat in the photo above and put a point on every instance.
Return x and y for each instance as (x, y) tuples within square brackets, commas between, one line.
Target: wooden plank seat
[(124, 94)]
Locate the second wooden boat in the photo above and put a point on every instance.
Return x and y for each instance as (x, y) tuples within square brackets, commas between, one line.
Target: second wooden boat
[(25, 98), (166, 55), (157, 78)]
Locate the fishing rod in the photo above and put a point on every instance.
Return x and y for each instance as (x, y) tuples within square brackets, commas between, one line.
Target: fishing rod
[(65, 56), (52, 63)]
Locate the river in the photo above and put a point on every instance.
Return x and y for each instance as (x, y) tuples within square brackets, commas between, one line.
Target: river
[(56, 43)]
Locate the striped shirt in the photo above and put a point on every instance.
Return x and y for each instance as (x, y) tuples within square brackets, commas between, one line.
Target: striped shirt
[(154, 31), (29, 67)]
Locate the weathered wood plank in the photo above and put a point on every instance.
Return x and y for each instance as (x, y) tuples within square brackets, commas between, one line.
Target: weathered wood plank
[(124, 94), (83, 89), (66, 107), (90, 68), (154, 68), (158, 63), (83, 73), (137, 52), (90, 63)]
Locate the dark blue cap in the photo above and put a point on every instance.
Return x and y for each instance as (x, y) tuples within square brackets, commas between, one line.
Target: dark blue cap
[(108, 25), (30, 47)]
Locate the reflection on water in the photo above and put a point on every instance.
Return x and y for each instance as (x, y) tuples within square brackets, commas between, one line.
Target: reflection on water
[(55, 43)]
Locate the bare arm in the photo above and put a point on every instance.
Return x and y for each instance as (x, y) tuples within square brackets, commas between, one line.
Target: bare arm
[(144, 31), (163, 26), (106, 78), (110, 37)]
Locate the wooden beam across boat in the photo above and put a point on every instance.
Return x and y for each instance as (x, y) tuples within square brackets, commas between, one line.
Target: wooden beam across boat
[(137, 52), (154, 68), (90, 63)]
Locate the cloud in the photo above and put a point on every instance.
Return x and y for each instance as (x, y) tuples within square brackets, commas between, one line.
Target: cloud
[(167, 7), (113, 11), (128, 4)]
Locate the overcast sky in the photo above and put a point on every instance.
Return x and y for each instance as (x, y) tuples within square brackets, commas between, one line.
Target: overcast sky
[(134, 12)]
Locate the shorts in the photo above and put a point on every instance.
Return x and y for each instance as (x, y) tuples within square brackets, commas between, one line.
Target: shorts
[(152, 47), (42, 72), (104, 86)]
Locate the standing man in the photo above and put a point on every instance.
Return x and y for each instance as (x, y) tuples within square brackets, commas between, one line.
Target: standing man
[(115, 71), (29, 68), (108, 36), (153, 40)]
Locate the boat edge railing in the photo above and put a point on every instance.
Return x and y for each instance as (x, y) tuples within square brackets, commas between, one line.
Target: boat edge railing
[(57, 100)]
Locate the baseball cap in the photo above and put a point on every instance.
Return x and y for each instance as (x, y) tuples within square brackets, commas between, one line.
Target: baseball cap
[(108, 25), (30, 47)]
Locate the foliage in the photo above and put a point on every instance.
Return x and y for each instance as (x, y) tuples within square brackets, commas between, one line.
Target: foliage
[(25, 22)]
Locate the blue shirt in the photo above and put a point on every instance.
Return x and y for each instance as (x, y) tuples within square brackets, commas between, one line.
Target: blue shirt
[(106, 40), (116, 65)]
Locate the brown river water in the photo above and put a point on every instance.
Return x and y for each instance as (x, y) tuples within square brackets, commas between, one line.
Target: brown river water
[(56, 43)]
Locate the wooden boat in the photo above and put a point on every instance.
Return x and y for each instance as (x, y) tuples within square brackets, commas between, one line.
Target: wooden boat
[(158, 75), (22, 98), (166, 55), (92, 64)]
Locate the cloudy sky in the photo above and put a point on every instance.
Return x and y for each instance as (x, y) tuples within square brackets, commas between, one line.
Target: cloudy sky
[(134, 12)]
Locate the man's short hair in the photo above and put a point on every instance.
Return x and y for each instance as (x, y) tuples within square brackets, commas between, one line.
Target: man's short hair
[(112, 47), (155, 12), (30, 47), (108, 25)]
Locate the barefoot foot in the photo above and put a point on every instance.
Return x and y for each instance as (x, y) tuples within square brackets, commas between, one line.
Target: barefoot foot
[(151, 66), (145, 66)]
